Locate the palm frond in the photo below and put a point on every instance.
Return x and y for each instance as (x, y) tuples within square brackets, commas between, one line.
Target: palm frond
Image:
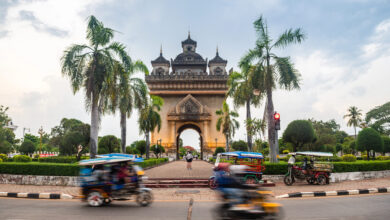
[(289, 77), (290, 36)]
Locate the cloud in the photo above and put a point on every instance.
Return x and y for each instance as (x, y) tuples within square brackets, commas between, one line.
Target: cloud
[(40, 26)]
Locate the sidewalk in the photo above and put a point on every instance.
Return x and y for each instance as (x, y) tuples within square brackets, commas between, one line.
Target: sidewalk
[(177, 169), (172, 194)]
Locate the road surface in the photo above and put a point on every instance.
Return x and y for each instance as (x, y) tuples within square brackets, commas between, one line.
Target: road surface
[(352, 207)]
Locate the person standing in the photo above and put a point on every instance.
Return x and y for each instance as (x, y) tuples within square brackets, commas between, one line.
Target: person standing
[(189, 157)]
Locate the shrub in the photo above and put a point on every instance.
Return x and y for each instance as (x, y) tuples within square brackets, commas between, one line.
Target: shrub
[(22, 158), (240, 145), (349, 158), (3, 157), (152, 162), (60, 159), (383, 158), (43, 169), (361, 166), (1, 160), (35, 156), (286, 151), (299, 133), (27, 147)]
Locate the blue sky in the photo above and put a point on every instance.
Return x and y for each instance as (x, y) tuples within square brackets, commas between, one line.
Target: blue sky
[(343, 62)]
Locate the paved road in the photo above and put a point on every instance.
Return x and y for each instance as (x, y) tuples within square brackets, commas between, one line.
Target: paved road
[(352, 207)]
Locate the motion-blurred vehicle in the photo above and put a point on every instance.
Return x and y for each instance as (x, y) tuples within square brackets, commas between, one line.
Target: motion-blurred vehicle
[(100, 184), (254, 161), (313, 173)]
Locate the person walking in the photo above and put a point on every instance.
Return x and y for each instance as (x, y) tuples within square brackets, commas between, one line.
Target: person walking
[(189, 157)]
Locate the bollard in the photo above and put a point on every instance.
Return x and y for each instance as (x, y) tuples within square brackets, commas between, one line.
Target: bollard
[(189, 214)]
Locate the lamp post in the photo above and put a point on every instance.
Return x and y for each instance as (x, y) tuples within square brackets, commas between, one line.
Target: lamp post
[(216, 140), (40, 132)]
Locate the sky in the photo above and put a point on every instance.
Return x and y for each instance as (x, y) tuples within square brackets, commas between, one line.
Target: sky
[(343, 62)]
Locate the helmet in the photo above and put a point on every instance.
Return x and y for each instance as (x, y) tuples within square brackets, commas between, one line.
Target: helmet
[(234, 169)]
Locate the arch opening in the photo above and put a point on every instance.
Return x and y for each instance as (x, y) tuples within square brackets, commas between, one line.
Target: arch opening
[(190, 135)]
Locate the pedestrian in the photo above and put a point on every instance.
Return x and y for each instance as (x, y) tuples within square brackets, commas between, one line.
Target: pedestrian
[(189, 158)]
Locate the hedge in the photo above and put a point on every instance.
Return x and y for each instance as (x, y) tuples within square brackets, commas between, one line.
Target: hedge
[(60, 159), (56, 169), (43, 169)]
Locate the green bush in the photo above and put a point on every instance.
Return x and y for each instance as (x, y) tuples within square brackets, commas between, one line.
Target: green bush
[(286, 151), (383, 158), (60, 159), (22, 158), (361, 166), (349, 158), (42, 169), (3, 157), (152, 162), (219, 150), (1, 160)]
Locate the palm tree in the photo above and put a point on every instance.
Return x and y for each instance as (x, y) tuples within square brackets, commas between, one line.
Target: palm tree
[(354, 116), (91, 67), (273, 70), (150, 119), (130, 93), (226, 122), (241, 90)]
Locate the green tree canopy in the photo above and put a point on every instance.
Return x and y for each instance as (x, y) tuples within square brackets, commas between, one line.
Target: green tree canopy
[(354, 117), (379, 118), (386, 144), (27, 147), (299, 133), (140, 146), (219, 150), (369, 139), (240, 145), (109, 144), (157, 150), (226, 122)]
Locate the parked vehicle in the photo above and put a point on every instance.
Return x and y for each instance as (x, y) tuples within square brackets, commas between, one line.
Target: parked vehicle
[(313, 173), (113, 177), (254, 160)]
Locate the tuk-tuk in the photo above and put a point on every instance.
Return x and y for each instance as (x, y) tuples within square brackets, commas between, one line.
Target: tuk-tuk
[(113, 177), (254, 160), (313, 172)]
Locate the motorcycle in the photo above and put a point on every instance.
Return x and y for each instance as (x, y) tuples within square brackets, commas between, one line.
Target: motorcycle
[(255, 206)]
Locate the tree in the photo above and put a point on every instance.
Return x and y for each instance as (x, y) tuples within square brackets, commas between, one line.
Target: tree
[(368, 139), (4, 118), (354, 117), (226, 122), (272, 69), (34, 139), (27, 147), (91, 67), (299, 133), (68, 136), (109, 144), (150, 119), (129, 93), (241, 87), (379, 118), (327, 135), (132, 150), (386, 144), (240, 145), (219, 150), (157, 150)]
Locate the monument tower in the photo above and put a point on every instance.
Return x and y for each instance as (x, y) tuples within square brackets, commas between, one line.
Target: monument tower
[(191, 96)]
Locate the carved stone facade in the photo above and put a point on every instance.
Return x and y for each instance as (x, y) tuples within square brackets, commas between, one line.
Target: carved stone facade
[(191, 97)]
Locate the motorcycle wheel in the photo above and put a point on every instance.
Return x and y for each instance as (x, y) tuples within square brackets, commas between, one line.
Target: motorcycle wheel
[(288, 180), (321, 180), (107, 201), (213, 183), (95, 199), (144, 198), (221, 213)]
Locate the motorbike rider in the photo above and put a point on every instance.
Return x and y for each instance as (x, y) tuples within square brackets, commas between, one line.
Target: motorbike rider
[(229, 184)]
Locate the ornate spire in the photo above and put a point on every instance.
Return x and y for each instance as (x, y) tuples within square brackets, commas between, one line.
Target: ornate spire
[(217, 51), (161, 50)]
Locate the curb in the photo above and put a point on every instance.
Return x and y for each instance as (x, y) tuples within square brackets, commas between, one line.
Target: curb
[(335, 193), (36, 195)]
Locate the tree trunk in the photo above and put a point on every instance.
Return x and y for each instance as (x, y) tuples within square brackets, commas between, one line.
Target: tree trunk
[(227, 143), (123, 131), (147, 148), (355, 131), (271, 127), (94, 127), (248, 118)]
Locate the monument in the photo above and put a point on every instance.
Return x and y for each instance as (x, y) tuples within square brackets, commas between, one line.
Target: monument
[(193, 88)]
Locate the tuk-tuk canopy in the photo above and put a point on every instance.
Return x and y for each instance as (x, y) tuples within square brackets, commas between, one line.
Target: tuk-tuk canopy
[(111, 158), (243, 154), (312, 153)]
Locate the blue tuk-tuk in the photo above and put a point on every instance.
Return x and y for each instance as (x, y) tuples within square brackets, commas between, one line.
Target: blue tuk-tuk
[(101, 181)]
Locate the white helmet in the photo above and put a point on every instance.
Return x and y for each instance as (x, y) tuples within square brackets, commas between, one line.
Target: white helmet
[(238, 168)]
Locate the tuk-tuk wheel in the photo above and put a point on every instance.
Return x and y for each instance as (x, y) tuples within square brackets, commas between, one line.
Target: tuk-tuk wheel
[(95, 199), (310, 181), (144, 198), (321, 180), (213, 183), (107, 201)]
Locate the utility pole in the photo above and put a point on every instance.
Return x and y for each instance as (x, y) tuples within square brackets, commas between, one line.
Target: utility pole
[(277, 128)]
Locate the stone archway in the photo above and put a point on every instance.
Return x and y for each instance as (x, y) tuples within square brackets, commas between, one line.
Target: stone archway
[(189, 126)]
